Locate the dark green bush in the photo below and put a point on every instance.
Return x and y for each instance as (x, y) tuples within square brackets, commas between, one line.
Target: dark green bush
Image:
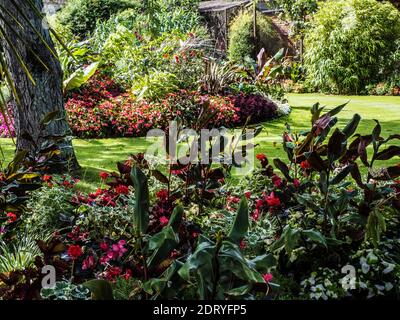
[(352, 44), (241, 42), (81, 16)]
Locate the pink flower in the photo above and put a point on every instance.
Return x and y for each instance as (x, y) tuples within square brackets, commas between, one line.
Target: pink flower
[(164, 220), (104, 246), (267, 277), (128, 274), (88, 263), (104, 260), (276, 180), (296, 183), (117, 250)]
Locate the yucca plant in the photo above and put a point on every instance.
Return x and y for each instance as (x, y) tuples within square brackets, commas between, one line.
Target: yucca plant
[(30, 67), (18, 256)]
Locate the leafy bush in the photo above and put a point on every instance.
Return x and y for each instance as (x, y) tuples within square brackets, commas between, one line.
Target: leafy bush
[(50, 208), (81, 16), (101, 110), (241, 42), (352, 44), (64, 290), (129, 57), (255, 107)]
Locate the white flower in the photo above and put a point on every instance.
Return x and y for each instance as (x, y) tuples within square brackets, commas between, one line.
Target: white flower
[(283, 108)]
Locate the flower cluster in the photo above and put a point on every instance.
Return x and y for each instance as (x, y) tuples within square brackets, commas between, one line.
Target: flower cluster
[(257, 107), (107, 114)]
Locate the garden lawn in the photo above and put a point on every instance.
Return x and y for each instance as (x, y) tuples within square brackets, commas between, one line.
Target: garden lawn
[(96, 155)]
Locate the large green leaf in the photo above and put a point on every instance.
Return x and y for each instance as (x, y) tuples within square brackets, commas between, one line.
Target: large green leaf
[(315, 236), (100, 289), (241, 223), (166, 240), (80, 77), (200, 266), (263, 263)]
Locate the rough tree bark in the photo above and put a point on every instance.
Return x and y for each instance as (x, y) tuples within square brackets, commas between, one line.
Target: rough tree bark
[(43, 97)]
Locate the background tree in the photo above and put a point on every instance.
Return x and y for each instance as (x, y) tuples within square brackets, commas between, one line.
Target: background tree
[(298, 11), (34, 73)]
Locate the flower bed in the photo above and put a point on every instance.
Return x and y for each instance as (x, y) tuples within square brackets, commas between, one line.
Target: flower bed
[(146, 230), (107, 113), (102, 110)]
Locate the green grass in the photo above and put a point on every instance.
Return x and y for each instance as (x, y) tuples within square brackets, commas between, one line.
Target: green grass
[(97, 155)]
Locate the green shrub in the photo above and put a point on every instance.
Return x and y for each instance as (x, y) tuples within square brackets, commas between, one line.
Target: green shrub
[(241, 42), (49, 209), (352, 44), (81, 16)]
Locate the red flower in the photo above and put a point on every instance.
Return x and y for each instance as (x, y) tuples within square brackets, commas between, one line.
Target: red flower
[(305, 165), (11, 217), (247, 194), (243, 245), (66, 183), (267, 277), (112, 272), (261, 157), (121, 189), (162, 194), (272, 200), (176, 172), (104, 246), (296, 183), (103, 175), (256, 215), (177, 61), (128, 274), (74, 251), (46, 178), (276, 180), (163, 220)]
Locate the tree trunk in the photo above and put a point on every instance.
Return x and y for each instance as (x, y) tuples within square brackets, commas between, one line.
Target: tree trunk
[(43, 97)]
